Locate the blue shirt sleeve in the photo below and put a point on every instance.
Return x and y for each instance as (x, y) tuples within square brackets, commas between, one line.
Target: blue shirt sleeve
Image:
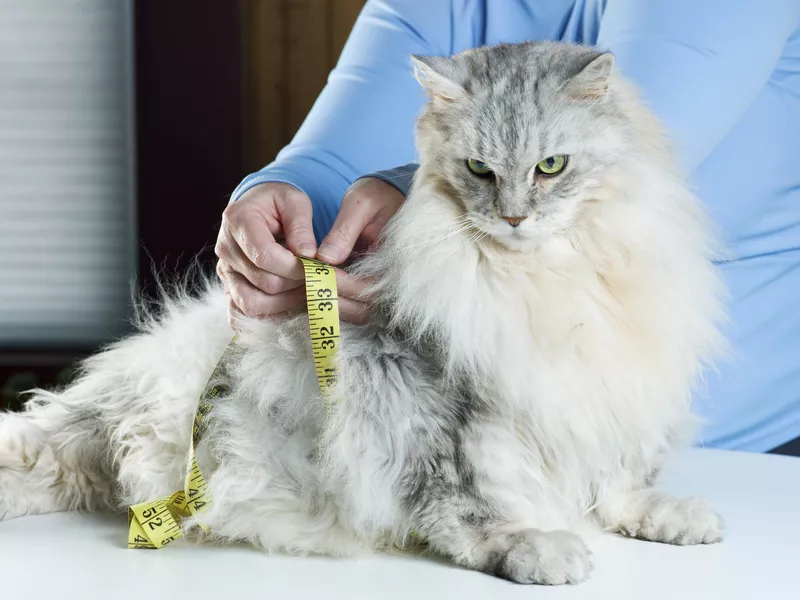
[(361, 121), (400, 178), (699, 65)]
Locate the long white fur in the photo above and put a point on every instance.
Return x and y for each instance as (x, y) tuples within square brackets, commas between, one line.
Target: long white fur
[(589, 350)]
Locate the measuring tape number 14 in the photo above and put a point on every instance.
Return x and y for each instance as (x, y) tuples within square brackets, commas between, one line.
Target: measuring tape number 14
[(155, 524)]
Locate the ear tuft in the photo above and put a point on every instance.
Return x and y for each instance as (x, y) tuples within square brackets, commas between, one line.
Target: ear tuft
[(592, 81), (435, 75)]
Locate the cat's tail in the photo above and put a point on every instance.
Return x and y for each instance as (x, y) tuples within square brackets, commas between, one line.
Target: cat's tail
[(53, 456)]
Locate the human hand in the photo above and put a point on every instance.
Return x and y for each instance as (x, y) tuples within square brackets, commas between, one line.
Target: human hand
[(262, 277), (366, 208)]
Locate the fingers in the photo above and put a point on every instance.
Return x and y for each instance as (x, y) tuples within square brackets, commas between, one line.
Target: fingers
[(234, 314), (353, 311), (295, 216), (366, 207), (354, 301), (249, 229), (253, 302), (249, 253), (247, 300), (388, 200), (356, 212), (233, 258), (351, 287)]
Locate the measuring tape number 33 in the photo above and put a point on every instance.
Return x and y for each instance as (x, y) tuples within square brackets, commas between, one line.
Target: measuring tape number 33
[(155, 524)]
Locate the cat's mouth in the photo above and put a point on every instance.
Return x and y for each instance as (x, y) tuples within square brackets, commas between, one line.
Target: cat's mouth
[(516, 238), (519, 240)]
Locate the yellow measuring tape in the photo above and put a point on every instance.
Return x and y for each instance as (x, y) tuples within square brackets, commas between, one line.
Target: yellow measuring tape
[(155, 524)]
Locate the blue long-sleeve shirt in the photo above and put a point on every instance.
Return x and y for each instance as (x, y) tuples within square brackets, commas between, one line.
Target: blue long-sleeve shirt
[(724, 77)]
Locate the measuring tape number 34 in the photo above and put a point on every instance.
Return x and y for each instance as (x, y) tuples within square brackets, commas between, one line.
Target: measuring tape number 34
[(155, 524)]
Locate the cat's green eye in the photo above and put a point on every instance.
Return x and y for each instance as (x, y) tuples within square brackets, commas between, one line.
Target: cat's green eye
[(481, 169), (553, 165)]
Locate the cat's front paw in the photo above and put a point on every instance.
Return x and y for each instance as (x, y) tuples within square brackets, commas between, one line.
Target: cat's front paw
[(684, 521), (546, 557)]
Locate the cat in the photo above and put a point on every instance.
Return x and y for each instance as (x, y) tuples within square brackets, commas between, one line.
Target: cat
[(544, 306)]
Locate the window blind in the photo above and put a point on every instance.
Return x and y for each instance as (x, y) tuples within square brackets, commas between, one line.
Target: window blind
[(67, 233)]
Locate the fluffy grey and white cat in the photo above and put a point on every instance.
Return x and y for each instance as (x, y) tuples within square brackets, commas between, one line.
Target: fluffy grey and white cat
[(545, 304)]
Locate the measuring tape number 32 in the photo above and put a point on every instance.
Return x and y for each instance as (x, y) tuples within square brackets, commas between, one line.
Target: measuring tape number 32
[(155, 524), (323, 321)]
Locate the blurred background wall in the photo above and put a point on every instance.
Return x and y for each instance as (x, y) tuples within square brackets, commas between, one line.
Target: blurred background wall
[(124, 127)]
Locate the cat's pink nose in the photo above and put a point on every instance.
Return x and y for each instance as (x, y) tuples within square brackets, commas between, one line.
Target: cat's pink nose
[(514, 221)]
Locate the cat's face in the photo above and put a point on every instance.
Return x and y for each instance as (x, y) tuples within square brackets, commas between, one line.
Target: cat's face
[(520, 136)]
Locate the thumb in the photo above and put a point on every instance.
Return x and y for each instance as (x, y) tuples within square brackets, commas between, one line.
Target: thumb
[(295, 216), (350, 222)]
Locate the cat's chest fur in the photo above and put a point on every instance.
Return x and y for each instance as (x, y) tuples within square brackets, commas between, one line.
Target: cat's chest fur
[(570, 375), (571, 357), (558, 321)]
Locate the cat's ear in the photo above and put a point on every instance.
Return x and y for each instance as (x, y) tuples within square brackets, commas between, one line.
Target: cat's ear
[(592, 81), (436, 76)]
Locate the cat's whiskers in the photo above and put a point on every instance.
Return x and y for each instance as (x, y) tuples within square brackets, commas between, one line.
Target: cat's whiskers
[(474, 238), (463, 224), (438, 240)]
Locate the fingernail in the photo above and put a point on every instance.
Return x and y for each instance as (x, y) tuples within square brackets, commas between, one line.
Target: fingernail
[(307, 250), (329, 252)]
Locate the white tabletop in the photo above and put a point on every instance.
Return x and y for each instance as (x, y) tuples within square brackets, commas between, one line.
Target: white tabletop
[(84, 557)]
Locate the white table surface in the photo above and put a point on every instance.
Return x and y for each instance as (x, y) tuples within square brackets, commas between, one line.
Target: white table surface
[(84, 557)]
